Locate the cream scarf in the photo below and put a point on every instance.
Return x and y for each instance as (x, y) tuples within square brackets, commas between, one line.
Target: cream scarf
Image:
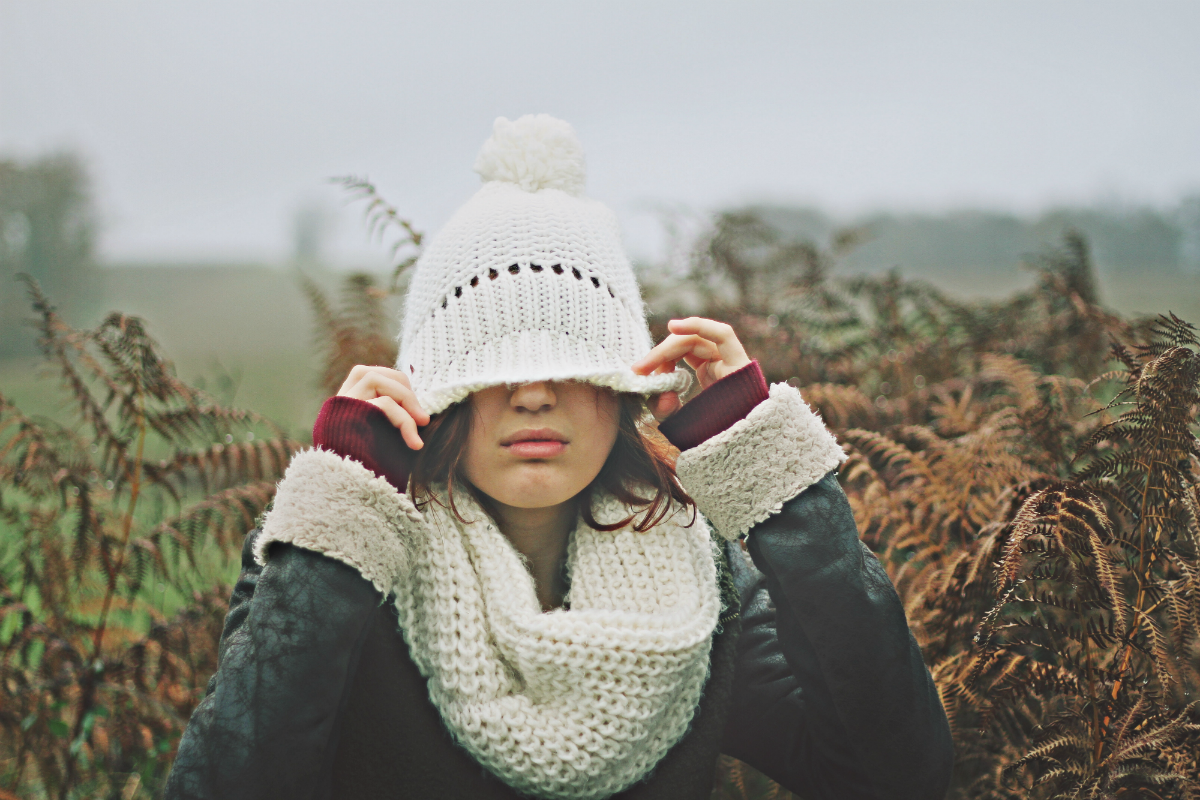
[(565, 704)]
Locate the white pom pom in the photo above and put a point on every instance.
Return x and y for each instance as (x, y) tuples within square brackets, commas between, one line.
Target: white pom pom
[(535, 152)]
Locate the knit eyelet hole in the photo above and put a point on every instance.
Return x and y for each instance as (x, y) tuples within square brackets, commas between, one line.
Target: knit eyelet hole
[(514, 269), (458, 291), (578, 275), (493, 274), (595, 282), (536, 267), (558, 270), (475, 281)]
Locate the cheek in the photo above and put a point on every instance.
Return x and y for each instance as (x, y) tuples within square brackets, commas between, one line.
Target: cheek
[(475, 458), (475, 463), (602, 434)]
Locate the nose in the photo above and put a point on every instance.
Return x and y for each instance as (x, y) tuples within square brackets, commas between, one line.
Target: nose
[(535, 396)]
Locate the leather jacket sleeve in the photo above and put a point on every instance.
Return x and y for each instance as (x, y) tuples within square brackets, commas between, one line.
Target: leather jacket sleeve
[(832, 698), (266, 726)]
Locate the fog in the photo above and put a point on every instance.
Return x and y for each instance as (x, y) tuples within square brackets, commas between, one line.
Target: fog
[(209, 128)]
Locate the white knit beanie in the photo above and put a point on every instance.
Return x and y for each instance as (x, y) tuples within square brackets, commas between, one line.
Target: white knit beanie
[(528, 280)]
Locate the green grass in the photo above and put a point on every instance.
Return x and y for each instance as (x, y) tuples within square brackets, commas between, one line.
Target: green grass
[(278, 385), (1152, 293)]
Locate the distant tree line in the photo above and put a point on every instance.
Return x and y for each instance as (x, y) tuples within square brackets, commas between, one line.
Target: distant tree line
[(1122, 239), (47, 229)]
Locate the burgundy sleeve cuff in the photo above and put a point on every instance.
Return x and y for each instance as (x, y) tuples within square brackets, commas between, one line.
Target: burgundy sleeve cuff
[(358, 430), (716, 408)]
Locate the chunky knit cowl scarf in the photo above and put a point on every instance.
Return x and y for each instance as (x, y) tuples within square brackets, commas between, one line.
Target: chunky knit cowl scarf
[(577, 703)]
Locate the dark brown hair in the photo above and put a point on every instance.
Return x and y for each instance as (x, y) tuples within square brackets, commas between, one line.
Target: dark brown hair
[(638, 461)]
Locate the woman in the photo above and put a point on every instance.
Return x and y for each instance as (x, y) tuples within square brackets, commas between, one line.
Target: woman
[(527, 597)]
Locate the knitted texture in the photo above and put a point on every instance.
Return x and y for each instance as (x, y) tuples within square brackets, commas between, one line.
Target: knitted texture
[(578, 703), (527, 281), (782, 443), (535, 152)]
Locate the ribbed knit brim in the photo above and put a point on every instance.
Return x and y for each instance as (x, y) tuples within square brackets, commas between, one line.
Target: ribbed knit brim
[(537, 356)]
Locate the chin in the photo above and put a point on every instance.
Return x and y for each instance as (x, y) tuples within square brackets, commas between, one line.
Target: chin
[(535, 491)]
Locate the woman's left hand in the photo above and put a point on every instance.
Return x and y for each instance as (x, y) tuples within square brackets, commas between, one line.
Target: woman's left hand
[(709, 347)]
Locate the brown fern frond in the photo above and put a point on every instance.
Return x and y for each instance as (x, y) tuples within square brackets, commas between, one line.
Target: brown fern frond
[(88, 511), (381, 217), (356, 333), (224, 517)]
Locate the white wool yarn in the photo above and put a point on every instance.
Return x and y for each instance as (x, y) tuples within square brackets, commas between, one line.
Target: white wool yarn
[(527, 281), (578, 703), (536, 152)]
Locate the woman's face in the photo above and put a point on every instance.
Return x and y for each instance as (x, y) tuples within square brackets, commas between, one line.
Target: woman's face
[(539, 444)]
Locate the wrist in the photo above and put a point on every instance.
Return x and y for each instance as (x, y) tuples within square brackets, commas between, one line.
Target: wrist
[(719, 406), (359, 430)]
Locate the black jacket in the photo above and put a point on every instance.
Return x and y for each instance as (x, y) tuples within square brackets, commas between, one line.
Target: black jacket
[(820, 684)]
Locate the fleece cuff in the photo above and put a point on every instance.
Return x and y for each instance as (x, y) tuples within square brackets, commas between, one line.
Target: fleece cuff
[(747, 472), (336, 506)]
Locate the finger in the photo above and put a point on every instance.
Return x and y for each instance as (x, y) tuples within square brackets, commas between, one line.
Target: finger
[(356, 373), (673, 403), (720, 333), (710, 329), (401, 419), (359, 370), (375, 384), (673, 348)]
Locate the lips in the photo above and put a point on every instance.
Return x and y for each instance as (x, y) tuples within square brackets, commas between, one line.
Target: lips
[(535, 443), (534, 435)]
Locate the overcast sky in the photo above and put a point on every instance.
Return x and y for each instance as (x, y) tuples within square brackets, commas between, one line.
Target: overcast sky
[(207, 125)]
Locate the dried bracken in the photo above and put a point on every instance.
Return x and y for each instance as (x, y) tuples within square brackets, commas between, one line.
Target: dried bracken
[(103, 522), (358, 331), (1044, 541), (1027, 469)]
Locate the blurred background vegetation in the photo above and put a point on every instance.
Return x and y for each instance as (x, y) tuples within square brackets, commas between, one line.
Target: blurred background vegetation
[(1022, 436), (245, 330)]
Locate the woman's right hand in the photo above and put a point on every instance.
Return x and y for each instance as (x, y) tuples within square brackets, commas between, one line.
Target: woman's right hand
[(390, 391)]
